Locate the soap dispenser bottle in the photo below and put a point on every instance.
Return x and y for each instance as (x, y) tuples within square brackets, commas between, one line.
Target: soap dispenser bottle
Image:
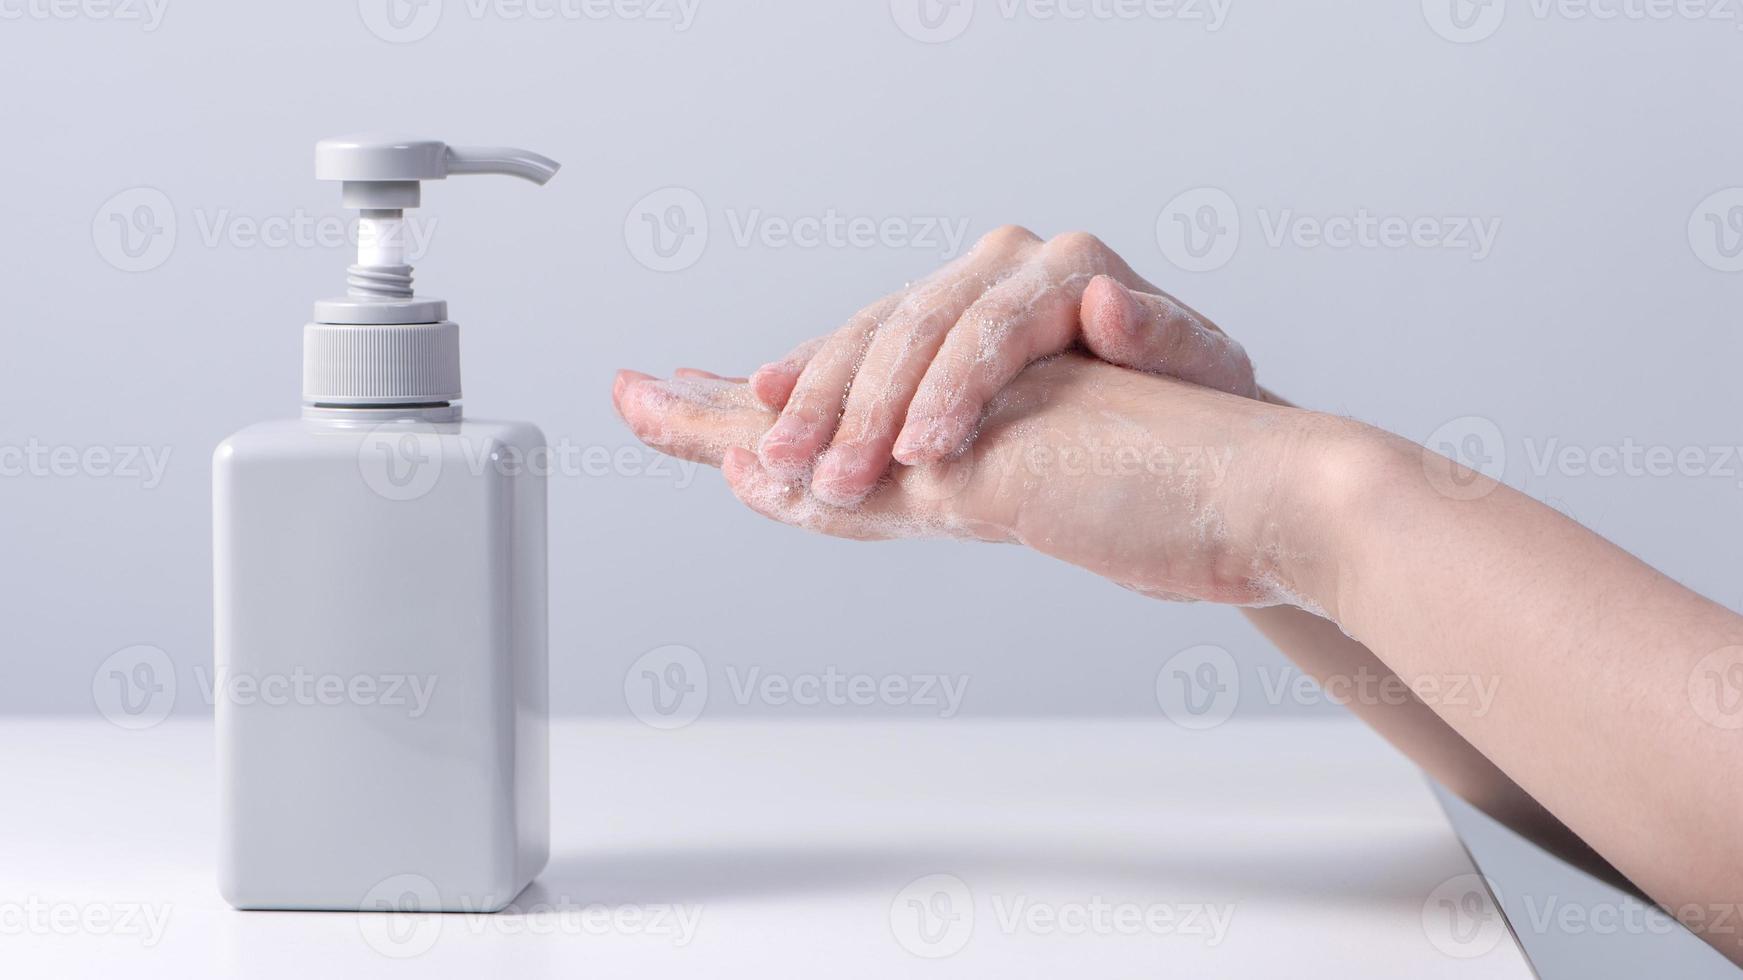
[(379, 589)]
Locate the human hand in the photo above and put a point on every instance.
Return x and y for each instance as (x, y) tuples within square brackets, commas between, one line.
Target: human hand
[(908, 378), (1168, 488)]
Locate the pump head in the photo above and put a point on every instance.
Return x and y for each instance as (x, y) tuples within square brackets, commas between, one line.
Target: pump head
[(380, 344), (381, 176)]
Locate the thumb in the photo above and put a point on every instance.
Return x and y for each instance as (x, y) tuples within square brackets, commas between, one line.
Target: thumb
[(1159, 335)]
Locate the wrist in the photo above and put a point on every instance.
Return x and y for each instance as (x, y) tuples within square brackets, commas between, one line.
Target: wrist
[(1328, 472)]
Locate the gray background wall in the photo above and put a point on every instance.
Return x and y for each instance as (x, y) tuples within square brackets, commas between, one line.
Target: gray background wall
[(1602, 315), (1593, 319)]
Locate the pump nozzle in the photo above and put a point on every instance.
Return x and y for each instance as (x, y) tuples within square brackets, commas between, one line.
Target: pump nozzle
[(382, 172), (501, 160)]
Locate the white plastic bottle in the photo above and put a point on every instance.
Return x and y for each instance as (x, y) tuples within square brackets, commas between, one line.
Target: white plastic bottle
[(379, 573)]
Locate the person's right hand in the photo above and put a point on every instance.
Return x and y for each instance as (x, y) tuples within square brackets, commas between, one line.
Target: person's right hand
[(908, 378)]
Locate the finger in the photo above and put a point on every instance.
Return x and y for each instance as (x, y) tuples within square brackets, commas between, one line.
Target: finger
[(773, 382), (691, 418), (789, 503), (897, 359), (1160, 335), (1027, 317), (808, 418), (687, 372)]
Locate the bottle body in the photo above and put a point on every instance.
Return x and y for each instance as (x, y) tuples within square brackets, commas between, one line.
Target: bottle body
[(381, 662)]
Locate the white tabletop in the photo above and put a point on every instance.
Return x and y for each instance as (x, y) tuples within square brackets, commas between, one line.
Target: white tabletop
[(849, 849)]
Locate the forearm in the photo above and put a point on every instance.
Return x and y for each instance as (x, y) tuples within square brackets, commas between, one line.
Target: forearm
[(1592, 654), (1324, 652)]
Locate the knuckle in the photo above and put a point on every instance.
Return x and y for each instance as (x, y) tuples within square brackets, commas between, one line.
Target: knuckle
[(1077, 244), (1006, 238)]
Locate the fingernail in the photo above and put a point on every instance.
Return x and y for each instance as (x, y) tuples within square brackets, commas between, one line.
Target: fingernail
[(911, 443), (837, 479), (760, 379), (626, 377), (737, 460), (777, 444), (1130, 314), (931, 439)]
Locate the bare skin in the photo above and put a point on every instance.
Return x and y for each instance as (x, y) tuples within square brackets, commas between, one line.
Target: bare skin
[(1596, 741)]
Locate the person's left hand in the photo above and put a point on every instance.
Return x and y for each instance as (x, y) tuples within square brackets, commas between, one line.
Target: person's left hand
[(1168, 488)]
